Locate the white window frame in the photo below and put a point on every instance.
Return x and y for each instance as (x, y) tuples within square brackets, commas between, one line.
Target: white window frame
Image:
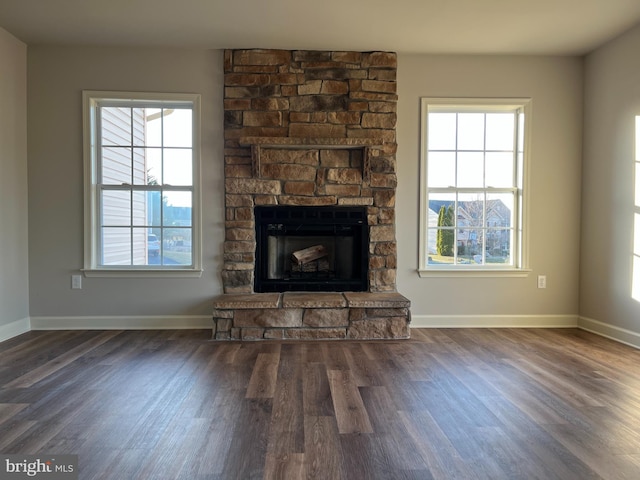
[(91, 100), (521, 258)]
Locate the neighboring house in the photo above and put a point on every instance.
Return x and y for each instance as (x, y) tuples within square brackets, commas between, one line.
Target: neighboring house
[(498, 222), (433, 223), (116, 169)]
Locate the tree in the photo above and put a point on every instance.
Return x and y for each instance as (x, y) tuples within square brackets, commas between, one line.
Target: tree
[(445, 237)]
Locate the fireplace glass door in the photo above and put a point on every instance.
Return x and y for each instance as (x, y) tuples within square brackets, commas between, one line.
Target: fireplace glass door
[(311, 249)]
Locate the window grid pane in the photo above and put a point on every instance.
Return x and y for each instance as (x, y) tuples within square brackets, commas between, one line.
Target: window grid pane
[(483, 231), (141, 225)]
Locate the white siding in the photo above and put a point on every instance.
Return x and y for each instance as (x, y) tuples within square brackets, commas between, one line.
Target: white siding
[(117, 246)]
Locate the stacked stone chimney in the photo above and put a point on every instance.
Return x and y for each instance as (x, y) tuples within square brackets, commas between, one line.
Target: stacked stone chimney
[(309, 128)]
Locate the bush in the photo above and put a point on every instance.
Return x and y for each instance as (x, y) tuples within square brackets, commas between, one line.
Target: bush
[(445, 237)]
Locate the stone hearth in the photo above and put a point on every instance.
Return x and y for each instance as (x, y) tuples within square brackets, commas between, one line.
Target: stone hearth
[(306, 316), (310, 128)]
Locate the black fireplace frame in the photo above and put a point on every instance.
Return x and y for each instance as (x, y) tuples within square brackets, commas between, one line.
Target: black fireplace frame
[(312, 221)]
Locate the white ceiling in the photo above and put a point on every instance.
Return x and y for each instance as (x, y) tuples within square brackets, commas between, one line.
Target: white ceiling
[(549, 27)]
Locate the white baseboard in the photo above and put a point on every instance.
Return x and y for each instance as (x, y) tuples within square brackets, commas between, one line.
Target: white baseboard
[(494, 321), (14, 329), (612, 332), (158, 322), (147, 322)]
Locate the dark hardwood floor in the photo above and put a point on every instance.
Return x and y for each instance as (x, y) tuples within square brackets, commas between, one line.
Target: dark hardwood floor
[(447, 404)]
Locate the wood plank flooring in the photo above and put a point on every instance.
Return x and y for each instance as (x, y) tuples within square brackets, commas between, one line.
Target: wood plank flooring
[(447, 404)]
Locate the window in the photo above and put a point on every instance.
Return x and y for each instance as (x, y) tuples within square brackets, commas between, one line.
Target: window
[(472, 185), (142, 182)]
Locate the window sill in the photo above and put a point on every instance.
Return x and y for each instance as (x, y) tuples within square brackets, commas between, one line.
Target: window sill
[(473, 272), (134, 273)]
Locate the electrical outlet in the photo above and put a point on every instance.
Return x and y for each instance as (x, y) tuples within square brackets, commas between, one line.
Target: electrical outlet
[(542, 281), (76, 282)]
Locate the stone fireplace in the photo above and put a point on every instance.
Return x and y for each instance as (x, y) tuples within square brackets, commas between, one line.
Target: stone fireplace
[(310, 164)]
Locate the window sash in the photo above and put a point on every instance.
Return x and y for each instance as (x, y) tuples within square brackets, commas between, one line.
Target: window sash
[(481, 226), (132, 225)]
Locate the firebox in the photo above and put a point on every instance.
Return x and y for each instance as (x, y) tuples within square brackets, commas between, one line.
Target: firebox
[(311, 249)]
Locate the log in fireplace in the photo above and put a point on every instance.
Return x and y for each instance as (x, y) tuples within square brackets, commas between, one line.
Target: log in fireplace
[(311, 249)]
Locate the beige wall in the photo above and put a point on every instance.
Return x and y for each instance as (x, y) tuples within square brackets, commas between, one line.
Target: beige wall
[(555, 85), (57, 75), (56, 78), (595, 283), (612, 101), (14, 280)]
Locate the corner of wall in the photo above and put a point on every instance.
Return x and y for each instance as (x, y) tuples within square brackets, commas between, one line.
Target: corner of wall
[(621, 335), (13, 329)]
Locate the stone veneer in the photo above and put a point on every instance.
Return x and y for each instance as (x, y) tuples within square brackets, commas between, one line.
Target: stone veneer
[(308, 128), (303, 316)]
